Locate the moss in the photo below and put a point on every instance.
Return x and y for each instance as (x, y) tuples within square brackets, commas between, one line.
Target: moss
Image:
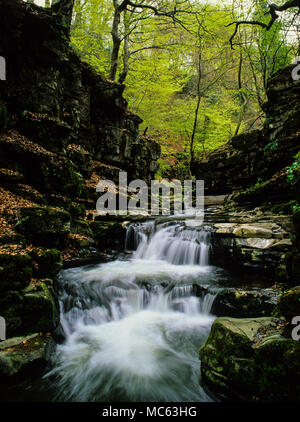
[(289, 303), (43, 221), (250, 357), (48, 260), (39, 306), (76, 210), (108, 233), (15, 270), (81, 227)]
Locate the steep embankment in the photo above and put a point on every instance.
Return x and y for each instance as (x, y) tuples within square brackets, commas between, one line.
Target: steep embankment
[(258, 358), (63, 128), (262, 168)]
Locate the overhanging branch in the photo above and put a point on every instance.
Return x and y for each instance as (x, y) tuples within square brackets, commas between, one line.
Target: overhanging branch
[(273, 9)]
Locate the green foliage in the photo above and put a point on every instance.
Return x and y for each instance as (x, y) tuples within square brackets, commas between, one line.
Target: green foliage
[(271, 147), (296, 208), (175, 67), (293, 172)]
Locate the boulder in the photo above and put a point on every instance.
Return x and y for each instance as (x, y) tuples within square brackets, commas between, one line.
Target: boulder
[(48, 262), (249, 358), (289, 304), (245, 303), (40, 222), (108, 233), (19, 355), (33, 308), (15, 268)]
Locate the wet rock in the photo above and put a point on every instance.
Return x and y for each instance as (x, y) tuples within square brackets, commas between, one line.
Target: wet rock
[(88, 255), (249, 358), (19, 355), (245, 303)]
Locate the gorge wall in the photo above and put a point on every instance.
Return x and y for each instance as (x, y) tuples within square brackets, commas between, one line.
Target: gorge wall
[(260, 159), (63, 128)]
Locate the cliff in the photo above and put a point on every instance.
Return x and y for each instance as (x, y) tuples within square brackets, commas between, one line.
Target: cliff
[(63, 128), (256, 165)]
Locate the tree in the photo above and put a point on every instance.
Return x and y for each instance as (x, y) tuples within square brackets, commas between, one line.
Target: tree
[(128, 6), (273, 10)]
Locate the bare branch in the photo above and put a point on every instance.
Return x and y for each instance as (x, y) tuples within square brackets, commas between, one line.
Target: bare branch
[(273, 9)]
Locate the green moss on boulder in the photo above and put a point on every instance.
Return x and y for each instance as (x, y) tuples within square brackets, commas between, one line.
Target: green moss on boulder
[(43, 225), (289, 304), (249, 358), (15, 268), (20, 355), (48, 261)]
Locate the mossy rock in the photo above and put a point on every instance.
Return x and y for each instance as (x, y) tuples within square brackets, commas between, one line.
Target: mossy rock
[(40, 223), (289, 304), (12, 238), (249, 358), (39, 307), (277, 365), (33, 308), (15, 269), (81, 227), (48, 260), (20, 355), (76, 210), (108, 233)]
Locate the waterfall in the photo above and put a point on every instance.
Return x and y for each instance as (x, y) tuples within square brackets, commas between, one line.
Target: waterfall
[(175, 244), (134, 326)]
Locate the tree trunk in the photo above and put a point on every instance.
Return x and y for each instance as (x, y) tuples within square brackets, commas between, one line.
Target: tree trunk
[(192, 154), (243, 96), (116, 42), (126, 53)]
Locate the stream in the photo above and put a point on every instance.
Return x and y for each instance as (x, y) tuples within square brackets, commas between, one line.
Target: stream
[(134, 326)]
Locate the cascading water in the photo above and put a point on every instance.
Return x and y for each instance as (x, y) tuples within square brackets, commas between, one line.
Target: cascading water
[(134, 326)]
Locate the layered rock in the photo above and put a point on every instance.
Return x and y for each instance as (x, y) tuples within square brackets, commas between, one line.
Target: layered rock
[(258, 159), (63, 128), (74, 103), (250, 359)]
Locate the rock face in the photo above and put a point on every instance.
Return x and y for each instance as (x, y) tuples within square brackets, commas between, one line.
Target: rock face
[(250, 239), (74, 103), (63, 128), (250, 359), (260, 155)]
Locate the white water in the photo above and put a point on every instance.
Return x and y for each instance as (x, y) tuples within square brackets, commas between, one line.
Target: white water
[(134, 327)]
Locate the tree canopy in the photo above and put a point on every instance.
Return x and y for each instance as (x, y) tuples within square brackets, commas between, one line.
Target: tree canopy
[(196, 72)]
